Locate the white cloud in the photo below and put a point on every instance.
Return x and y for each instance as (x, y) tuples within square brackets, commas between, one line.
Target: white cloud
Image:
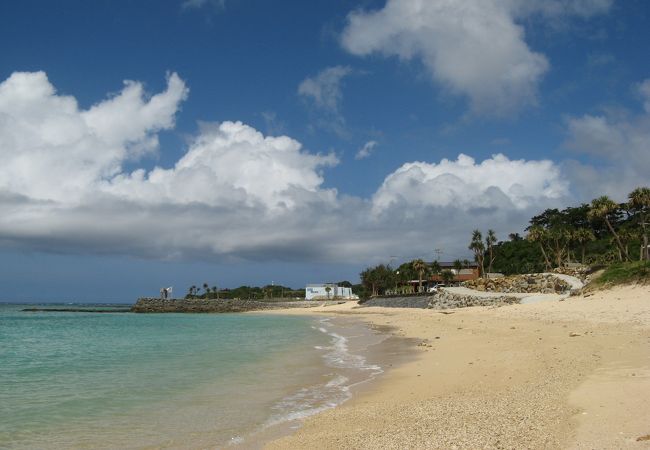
[(50, 149), (235, 193), (495, 183), (366, 150), (230, 165), (323, 91), (471, 48), (325, 88), (617, 143)]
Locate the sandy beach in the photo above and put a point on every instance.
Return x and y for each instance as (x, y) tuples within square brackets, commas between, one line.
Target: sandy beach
[(561, 374)]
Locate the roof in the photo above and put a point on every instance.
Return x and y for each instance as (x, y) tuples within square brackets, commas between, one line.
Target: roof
[(451, 264)]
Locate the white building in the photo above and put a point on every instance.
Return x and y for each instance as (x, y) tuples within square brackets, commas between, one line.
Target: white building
[(321, 292)]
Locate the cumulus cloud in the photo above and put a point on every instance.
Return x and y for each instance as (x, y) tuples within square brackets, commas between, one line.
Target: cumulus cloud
[(620, 140), (235, 193), (471, 48), (365, 151), (50, 149), (231, 165), (497, 183)]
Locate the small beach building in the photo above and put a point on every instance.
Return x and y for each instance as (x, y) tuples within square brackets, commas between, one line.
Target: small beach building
[(468, 272), (321, 292)]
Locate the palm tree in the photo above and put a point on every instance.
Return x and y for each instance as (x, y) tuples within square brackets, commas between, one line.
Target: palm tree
[(582, 236), (206, 288), (602, 208), (419, 266), (490, 240), (477, 246), (458, 265), (539, 235), (640, 200), (328, 290)]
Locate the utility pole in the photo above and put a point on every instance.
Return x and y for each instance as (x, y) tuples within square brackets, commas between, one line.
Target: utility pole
[(438, 252)]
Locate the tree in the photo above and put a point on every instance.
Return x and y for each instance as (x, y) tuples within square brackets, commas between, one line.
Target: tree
[(602, 208), (435, 267), (376, 279), (419, 266), (477, 246), (559, 240), (639, 200), (447, 276), (206, 288), (490, 240), (538, 234), (582, 236), (458, 265), (328, 290)]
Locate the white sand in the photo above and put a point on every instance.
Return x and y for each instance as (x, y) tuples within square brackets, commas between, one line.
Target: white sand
[(558, 374)]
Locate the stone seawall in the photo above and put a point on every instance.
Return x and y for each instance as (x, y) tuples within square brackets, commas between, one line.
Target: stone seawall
[(157, 305), (446, 300), (443, 300)]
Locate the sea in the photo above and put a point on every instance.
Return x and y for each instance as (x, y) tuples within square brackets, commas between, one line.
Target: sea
[(123, 380)]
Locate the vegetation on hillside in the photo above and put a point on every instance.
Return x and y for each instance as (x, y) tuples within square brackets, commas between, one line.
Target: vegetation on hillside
[(600, 233), (623, 273)]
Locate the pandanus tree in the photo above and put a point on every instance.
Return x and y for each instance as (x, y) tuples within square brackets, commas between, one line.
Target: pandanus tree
[(639, 200), (420, 267), (539, 235), (582, 236), (603, 208), (477, 246)]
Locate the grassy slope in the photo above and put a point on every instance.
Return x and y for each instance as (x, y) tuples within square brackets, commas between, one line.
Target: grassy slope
[(623, 273)]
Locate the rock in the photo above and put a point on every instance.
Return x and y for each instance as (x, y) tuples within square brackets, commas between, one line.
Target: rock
[(574, 334), (531, 283)]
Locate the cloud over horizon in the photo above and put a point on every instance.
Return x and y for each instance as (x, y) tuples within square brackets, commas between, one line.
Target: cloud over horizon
[(234, 193)]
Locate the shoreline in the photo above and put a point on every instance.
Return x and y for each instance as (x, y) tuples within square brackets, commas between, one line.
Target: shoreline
[(373, 350), (562, 374)]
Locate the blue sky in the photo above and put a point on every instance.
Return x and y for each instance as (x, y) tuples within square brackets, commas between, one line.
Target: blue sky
[(234, 154)]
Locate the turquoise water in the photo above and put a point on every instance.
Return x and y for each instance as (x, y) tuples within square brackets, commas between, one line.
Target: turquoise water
[(79, 380)]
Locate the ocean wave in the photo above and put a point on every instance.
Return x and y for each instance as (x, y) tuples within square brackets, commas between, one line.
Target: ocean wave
[(315, 399)]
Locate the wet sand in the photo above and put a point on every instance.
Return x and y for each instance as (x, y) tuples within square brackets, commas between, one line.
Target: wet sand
[(561, 374)]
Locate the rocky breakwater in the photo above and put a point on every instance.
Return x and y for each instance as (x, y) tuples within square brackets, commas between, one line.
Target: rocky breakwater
[(157, 305), (443, 299), (446, 299), (541, 283)]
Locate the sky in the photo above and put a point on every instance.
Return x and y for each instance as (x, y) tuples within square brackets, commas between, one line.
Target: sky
[(169, 143)]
